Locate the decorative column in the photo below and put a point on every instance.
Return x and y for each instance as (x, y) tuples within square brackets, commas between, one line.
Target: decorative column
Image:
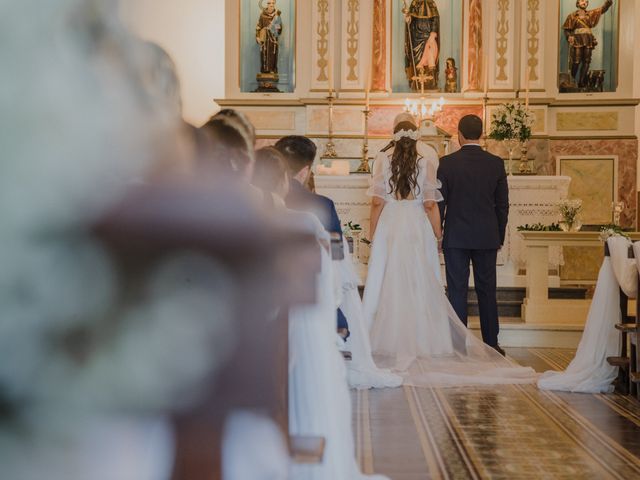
[(502, 39), (351, 65), (355, 45), (533, 45), (321, 53), (379, 46), (475, 62)]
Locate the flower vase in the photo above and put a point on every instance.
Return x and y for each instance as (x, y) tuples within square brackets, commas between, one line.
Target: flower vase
[(572, 225), (524, 168), (356, 234), (511, 144)]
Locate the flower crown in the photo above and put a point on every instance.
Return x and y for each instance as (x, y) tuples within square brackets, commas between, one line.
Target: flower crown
[(412, 134)]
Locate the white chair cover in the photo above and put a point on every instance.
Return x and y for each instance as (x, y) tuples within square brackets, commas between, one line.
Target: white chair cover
[(624, 268), (636, 254), (319, 400), (589, 371), (253, 448)]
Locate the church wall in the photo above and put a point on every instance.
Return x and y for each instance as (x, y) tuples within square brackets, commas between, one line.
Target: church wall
[(626, 152), (341, 41), (192, 32)]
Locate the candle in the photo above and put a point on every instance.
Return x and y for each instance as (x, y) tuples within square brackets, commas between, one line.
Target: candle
[(367, 88), (366, 99), (340, 167), (330, 76), (526, 87), (486, 74)]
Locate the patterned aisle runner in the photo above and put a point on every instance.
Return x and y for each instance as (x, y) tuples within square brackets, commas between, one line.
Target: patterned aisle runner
[(500, 432)]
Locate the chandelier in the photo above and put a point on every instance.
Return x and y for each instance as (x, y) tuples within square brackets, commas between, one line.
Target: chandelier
[(423, 110)]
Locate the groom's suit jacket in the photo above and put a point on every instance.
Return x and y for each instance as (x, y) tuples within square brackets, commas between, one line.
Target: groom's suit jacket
[(476, 199)]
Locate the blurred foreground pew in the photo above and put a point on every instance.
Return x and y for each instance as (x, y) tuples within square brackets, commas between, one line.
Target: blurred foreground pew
[(272, 262)]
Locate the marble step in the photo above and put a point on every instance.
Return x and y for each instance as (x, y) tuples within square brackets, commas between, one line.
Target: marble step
[(507, 294), (510, 299), (516, 333), (506, 308)]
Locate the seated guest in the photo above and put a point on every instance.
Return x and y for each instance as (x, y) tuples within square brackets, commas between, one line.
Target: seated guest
[(242, 120), (299, 153), (231, 148), (271, 175)]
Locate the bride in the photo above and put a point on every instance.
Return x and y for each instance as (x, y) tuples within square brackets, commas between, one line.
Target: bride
[(413, 328)]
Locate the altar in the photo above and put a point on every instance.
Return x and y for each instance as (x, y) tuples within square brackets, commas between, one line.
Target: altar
[(532, 199), (343, 74)]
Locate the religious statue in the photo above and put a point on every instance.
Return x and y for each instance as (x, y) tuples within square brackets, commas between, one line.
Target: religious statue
[(268, 31), (595, 81), (577, 29), (451, 76), (422, 44)]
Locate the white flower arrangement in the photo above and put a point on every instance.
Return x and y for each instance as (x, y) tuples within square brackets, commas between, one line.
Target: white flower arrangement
[(612, 231), (511, 121), (412, 134), (350, 228), (569, 209)]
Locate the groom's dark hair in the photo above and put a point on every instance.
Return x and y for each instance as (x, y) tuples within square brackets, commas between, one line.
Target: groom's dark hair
[(470, 126)]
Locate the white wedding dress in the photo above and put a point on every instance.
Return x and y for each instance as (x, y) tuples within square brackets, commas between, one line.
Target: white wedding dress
[(414, 330), (362, 371)]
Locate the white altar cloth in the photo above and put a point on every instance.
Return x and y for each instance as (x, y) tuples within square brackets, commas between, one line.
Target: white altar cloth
[(532, 199)]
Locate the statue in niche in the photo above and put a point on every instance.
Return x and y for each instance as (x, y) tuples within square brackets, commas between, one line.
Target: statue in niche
[(422, 44), (451, 76), (577, 30), (268, 31)]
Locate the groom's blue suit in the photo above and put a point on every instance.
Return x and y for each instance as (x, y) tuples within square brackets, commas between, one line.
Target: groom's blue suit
[(474, 212)]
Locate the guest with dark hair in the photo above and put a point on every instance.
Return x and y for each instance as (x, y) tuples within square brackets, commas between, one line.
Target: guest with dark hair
[(271, 175), (231, 147), (240, 119), (299, 153)]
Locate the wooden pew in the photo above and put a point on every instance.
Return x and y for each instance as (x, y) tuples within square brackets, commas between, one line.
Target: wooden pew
[(273, 263)]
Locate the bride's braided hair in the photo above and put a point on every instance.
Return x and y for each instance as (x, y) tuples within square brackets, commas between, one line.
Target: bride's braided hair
[(404, 165)]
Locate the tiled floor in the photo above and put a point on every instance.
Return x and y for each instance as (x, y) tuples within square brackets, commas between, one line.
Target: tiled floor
[(501, 432)]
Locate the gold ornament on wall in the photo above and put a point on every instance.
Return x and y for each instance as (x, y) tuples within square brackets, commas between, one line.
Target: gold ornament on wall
[(533, 42), (322, 44), (353, 30), (502, 41)]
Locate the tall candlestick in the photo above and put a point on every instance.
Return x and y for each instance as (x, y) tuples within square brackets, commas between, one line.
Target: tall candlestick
[(526, 87), (367, 87), (330, 148), (364, 161)]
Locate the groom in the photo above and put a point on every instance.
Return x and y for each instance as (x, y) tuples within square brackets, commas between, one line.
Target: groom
[(474, 212)]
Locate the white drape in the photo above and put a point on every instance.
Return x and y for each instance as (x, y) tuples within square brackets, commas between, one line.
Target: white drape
[(589, 371), (319, 400), (362, 370)]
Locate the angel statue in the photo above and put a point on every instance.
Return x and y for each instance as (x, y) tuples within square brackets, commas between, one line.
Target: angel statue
[(422, 44), (268, 31)]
